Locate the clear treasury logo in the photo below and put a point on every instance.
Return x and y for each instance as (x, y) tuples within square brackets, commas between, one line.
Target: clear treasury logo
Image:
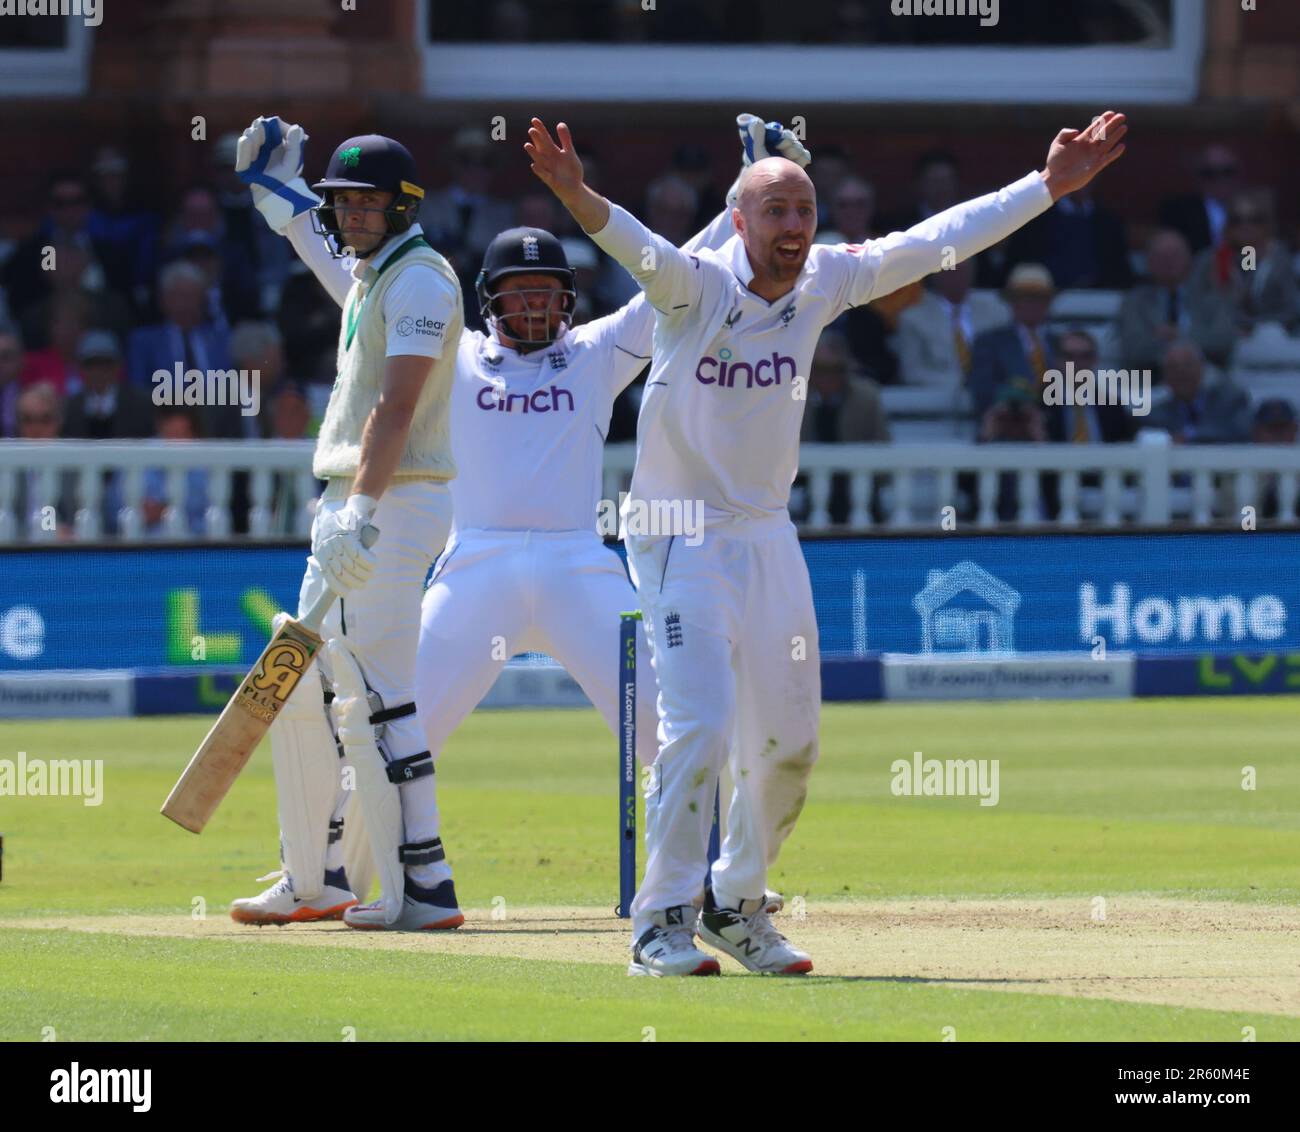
[(408, 325), (102, 1086)]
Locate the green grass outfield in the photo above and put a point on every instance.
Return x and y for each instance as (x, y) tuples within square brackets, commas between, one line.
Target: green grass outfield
[(1120, 800)]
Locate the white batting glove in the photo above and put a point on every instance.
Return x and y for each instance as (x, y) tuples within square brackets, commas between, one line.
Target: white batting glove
[(336, 544), (268, 159), (759, 139)]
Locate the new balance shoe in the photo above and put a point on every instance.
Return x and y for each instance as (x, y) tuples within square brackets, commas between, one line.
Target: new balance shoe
[(667, 947), (279, 905), (423, 910), (747, 935)]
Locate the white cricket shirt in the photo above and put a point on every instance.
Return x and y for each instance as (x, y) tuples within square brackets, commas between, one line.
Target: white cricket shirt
[(528, 430), (725, 397)]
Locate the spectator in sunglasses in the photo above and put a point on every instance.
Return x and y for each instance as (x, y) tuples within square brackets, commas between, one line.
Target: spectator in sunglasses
[(1251, 267), (99, 266), (1201, 216)]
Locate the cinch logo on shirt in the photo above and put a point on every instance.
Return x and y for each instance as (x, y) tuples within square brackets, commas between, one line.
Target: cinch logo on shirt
[(545, 400), (722, 371)]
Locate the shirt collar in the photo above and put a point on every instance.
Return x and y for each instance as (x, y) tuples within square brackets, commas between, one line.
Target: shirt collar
[(733, 252), (367, 270)]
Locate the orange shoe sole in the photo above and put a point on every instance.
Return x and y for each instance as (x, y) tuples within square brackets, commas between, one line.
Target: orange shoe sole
[(301, 916), (447, 924), (441, 926)]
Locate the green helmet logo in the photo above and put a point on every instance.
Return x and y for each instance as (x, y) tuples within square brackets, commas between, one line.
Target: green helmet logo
[(350, 156)]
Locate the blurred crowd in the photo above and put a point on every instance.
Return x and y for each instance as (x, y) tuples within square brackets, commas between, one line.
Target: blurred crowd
[(105, 292)]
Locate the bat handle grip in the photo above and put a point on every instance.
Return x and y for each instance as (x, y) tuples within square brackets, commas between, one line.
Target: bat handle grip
[(315, 615)]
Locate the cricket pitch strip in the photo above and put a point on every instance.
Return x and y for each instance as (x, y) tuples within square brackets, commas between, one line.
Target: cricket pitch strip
[(1211, 955)]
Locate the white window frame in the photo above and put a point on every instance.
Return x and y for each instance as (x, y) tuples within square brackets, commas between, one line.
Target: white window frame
[(582, 72), (27, 72)]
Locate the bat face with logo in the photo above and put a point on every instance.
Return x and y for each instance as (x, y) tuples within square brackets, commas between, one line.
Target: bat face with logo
[(249, 714)]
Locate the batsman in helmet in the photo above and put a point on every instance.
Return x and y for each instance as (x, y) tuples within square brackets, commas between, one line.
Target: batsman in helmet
[(384, 451)]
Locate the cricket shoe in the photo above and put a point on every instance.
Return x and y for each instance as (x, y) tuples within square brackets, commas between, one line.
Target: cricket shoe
[(279, 905), (667, 947), (749, 938), (423, 910), (773, 902)]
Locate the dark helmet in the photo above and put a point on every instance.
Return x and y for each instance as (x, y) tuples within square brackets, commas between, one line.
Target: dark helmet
[(371, 161), (526, 251)]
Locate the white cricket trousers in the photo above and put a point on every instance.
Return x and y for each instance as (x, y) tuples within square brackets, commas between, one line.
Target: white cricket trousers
[(380, 623), (733, 637), (498, 593)]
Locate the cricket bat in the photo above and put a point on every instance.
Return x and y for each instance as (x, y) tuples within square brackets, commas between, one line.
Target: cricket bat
[(249, 714)]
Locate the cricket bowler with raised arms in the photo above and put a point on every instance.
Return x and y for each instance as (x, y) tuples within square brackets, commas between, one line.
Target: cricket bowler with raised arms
[(730, 621), (384, 451), (525, 568)]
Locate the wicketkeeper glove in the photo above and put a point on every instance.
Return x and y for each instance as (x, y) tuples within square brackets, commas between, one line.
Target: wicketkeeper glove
[(268, 159), (759, 139)]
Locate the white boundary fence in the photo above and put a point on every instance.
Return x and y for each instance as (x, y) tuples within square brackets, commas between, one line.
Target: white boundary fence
[(1110, 485), (906, 485), (52, 469)]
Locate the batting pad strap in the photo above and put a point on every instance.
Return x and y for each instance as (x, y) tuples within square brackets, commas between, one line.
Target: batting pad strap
[(385, 715), (410, 768), (421, 852), (336, 831)]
